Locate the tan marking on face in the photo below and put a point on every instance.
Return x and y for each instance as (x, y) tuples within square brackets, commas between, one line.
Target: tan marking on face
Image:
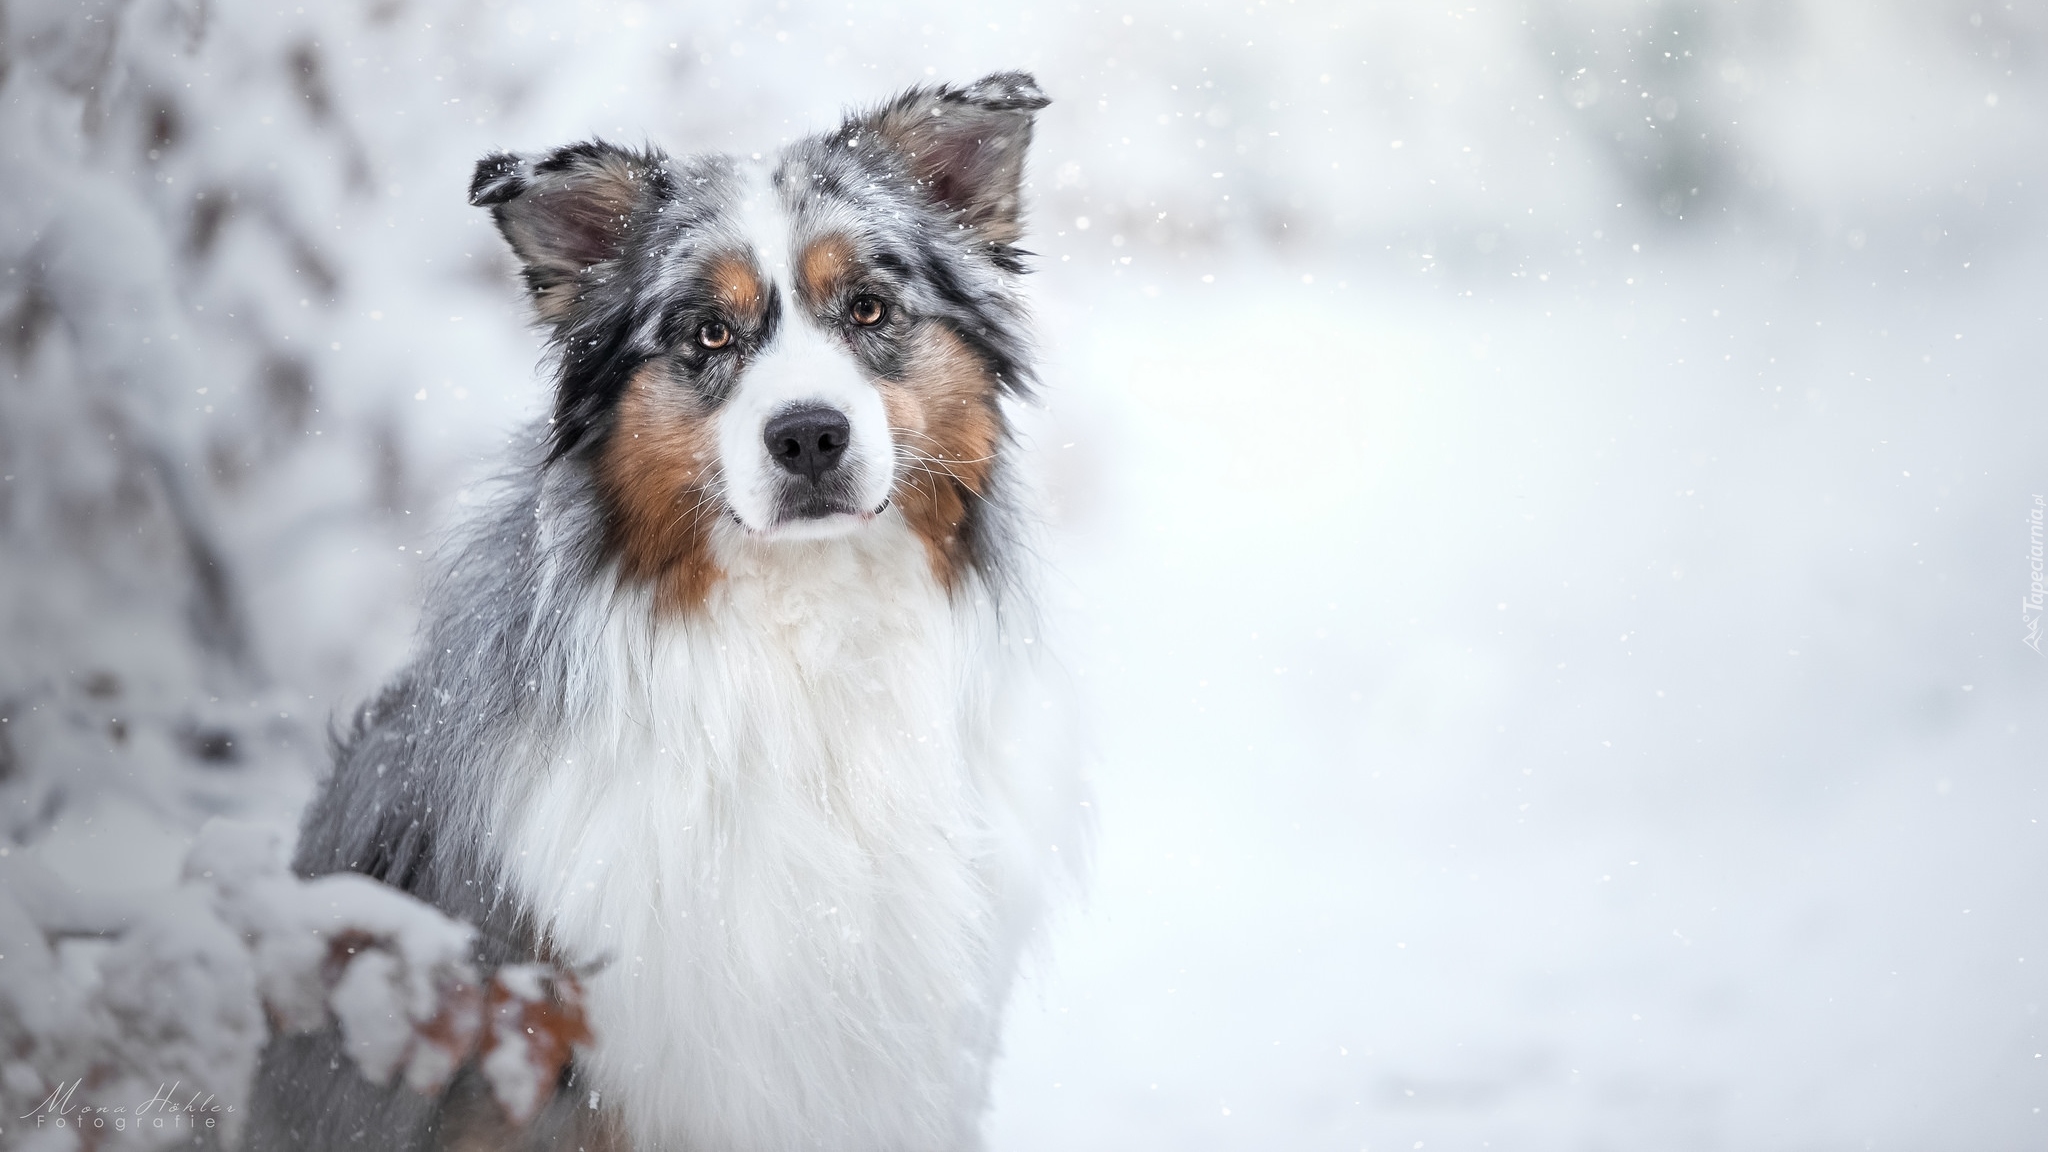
[(737, 285), (945, 419), (827, 263), (658, 476)]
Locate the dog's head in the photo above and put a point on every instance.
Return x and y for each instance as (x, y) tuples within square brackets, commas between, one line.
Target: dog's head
[(794, 344)]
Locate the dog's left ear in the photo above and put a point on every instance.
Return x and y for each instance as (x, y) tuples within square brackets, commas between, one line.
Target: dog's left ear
[(566, 213), (965, 146)]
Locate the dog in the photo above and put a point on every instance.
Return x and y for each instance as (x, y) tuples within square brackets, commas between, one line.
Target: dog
[(734, 694)]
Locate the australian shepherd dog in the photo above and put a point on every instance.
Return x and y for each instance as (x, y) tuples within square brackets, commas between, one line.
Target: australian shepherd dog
[(733, 696)]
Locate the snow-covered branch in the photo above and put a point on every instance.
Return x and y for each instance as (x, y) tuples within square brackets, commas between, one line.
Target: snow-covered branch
[(170, 999)]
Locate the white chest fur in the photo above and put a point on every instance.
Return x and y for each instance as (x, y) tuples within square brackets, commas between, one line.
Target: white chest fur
[(777, 820)]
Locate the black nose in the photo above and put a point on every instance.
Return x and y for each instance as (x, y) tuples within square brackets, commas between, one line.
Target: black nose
[(808, 441)]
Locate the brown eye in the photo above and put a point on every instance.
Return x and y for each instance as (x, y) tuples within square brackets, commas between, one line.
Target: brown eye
[(714, 335), (867, 311)]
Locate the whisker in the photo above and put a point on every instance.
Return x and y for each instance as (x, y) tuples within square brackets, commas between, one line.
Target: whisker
[(920, 462), (706, 495)]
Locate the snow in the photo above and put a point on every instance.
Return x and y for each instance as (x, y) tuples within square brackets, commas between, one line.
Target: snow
[(1549, 634), (365, 1003), (178, 994), (1655, 770), (535, 1017), (173, 996)]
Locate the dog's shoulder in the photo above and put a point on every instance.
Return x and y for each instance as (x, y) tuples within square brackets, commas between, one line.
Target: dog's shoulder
[(411, 771)]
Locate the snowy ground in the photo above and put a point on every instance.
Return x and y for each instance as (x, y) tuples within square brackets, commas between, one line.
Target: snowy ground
[(1552, 637), (1548, 722)]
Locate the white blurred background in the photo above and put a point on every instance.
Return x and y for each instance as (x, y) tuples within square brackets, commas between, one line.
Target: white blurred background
[(1542, 511)]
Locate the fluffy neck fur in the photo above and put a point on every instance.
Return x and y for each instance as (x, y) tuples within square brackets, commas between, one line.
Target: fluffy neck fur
[(766, 816)]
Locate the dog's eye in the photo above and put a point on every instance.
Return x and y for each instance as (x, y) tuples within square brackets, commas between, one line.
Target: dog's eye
[(867, 311), (714, 335)]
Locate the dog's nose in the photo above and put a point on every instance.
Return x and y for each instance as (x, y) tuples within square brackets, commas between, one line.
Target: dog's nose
[(808, 441)]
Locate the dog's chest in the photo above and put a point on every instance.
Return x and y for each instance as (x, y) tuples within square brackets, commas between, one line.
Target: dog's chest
[(763, 819)]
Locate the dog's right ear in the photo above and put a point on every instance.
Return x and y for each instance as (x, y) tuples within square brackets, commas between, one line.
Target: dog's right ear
[(566, 213)]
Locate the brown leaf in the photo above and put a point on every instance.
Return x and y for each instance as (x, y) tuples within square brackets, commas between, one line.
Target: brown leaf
[(536, 1022), (444, 1043)]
